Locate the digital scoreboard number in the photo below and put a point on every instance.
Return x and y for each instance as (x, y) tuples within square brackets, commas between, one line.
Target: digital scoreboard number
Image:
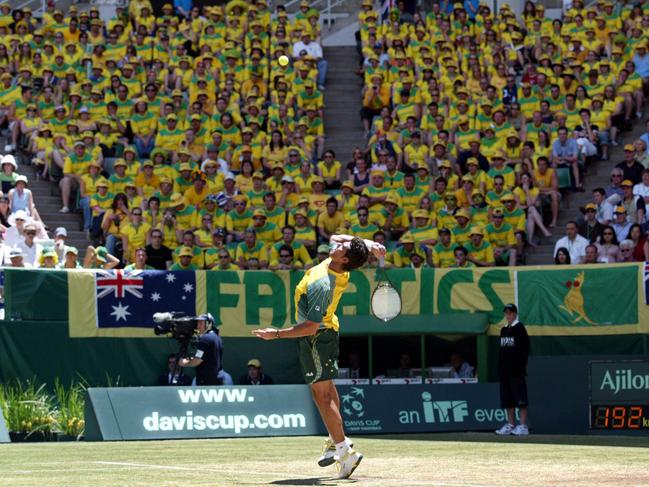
[(619, 417), (619, 396)]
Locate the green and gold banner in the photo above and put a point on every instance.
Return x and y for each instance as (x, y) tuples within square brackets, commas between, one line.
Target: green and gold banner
[(553, 300)]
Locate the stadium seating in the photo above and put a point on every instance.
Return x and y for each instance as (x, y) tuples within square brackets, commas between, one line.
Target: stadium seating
[(187, 123)]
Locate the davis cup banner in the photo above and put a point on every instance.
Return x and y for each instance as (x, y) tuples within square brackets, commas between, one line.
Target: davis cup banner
[(553, 300), (138, 413)]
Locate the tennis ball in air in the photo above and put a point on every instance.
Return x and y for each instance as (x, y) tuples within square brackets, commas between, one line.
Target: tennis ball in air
[(283, 60)]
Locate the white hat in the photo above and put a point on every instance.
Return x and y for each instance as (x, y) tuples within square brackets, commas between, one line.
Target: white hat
[(9, 159), (22, 178), (60, 231), (229, 175), (15, 252), (83, 109), (19, 215), (288, 179)]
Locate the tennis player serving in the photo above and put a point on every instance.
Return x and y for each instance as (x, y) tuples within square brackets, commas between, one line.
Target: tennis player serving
[(316, 299)]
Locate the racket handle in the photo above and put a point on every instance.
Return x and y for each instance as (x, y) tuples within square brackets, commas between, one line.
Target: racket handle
[(381, 262)]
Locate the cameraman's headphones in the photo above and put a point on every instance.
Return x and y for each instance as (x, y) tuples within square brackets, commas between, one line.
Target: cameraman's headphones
[(209, 320)]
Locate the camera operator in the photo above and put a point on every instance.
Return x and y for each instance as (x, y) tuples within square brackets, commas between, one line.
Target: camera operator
[(209, 353)]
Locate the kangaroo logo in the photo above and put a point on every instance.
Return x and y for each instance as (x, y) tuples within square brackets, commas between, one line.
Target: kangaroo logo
[(573, 302)]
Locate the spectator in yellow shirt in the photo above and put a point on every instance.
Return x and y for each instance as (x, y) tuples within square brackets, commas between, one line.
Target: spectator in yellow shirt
[(195, 195), (251, 249), (267, 232), (443, 251), (422, 231), (395, 219), (330, 220), (501, 236), (135, 235), (480, 251), (146, 181), (363, 228)]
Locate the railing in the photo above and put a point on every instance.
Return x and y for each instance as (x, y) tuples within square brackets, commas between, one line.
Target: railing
[(325, 10), (37, 6)]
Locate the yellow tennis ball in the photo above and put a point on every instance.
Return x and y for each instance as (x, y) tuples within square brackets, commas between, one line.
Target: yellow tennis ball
[(283, 61)]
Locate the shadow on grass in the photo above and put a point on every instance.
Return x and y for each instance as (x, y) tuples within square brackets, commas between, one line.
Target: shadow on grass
[(312, 481), (577, 440)]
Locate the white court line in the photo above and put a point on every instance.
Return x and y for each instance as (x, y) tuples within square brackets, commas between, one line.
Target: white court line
[(270, 473), (193, 469)]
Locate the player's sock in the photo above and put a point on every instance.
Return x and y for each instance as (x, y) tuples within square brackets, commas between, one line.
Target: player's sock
[(349, 442), (341, 448)]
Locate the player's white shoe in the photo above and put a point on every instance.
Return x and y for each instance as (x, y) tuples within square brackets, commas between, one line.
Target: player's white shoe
[(521, 430), (348, 463), (329, 452), (506, 429)]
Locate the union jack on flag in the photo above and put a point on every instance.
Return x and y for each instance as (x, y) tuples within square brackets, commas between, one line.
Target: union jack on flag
[(118, 283), (129, 298)]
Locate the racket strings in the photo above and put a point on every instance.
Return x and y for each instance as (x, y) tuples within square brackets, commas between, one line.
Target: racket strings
[(386, 302)]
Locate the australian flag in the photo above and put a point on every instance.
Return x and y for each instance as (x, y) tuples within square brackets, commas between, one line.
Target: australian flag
[(129, 298)]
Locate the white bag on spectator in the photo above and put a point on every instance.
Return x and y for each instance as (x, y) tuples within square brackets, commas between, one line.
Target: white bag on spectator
[(586, 147)]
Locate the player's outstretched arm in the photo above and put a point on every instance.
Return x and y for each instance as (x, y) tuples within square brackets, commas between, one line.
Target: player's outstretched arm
[(376, 248), (305, 329)]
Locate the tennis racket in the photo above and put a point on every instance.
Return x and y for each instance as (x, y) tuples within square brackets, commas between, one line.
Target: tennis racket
[(386, 301)]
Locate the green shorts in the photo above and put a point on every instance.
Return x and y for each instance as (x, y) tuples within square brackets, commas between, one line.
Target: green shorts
[(319, 356)]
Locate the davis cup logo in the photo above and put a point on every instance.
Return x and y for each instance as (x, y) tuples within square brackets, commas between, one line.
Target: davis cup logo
[(353, 408), (353, 405)]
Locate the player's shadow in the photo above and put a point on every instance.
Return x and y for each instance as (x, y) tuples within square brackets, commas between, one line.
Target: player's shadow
[(311, 481)]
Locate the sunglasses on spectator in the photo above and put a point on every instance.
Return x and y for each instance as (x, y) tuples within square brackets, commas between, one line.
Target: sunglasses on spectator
[(30, 233), (223, 256), (284, 255)]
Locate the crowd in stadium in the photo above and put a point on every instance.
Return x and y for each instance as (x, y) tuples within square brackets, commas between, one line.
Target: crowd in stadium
[(185, 144), (490, 119)]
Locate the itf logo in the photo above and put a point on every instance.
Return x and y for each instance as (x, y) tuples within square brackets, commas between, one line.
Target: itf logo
[(444, 411)]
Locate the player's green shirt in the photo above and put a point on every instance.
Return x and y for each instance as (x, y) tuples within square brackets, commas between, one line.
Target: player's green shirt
[(318, 293)]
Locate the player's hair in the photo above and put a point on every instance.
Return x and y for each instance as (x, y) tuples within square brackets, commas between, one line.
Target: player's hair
[(356, 254)]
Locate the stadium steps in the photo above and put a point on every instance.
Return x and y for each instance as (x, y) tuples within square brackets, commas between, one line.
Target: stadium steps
[(598, 175), (48, 202), (343, 129)]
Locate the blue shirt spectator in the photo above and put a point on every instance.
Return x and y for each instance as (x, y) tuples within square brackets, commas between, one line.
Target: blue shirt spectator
[(471, 7), (641, 61), (645, 137), (183, 7), (566, 148)]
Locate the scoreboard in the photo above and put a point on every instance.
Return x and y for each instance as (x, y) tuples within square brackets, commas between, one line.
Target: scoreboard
[(619, 396)]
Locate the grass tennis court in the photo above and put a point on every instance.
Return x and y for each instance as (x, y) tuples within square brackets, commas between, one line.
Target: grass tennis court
[(446, 460)]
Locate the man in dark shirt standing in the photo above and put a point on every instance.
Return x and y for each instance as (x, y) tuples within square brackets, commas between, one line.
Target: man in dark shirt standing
[(209, 353), (512, 369), (157, 255)]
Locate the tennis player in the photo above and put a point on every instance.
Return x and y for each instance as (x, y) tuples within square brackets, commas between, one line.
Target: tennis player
[(316, 299)]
